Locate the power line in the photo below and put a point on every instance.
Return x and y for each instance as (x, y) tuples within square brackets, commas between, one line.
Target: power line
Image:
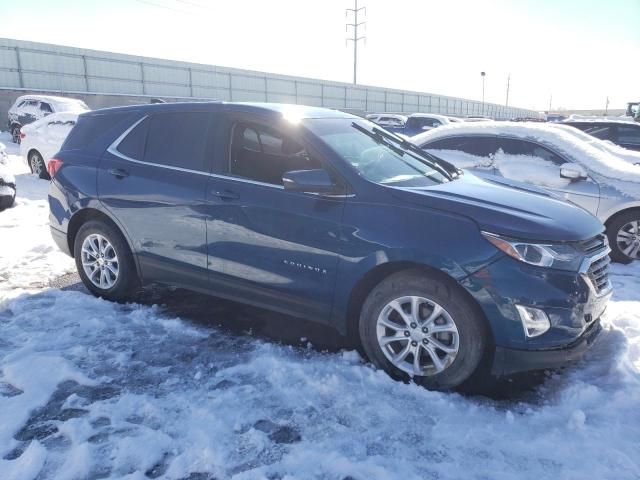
[(355, 10)]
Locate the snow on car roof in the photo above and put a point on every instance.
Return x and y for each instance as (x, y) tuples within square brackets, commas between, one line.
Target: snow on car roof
[(53, 99), (597, 160)]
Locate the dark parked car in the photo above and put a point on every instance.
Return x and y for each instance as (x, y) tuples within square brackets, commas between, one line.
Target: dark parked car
[(625, 134), (320, 214)]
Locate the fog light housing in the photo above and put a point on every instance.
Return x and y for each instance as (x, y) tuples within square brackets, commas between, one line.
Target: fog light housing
[(534, 320)]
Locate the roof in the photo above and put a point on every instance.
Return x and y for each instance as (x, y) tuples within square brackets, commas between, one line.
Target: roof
[(429, 115), (295, 111)]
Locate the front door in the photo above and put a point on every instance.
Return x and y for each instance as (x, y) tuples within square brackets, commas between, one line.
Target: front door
[(154, 183), (274, 248)]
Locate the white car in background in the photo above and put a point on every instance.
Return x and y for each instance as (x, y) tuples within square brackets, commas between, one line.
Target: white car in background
[(42, 139), (552, 158), (387, 120), (29, 108), (630, 156), (7, 181)]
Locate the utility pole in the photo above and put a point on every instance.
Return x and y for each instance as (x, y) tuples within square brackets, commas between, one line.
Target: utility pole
[(606, 107), (550, 99), (483, 74), (506, 103), (355, 10)]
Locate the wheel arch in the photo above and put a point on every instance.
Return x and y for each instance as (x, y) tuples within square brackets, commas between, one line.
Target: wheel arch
[(86, 214), (377, 274), (624, 211)]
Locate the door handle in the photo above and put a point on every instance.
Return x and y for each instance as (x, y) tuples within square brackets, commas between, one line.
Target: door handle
[(118, 172), (226, 195)]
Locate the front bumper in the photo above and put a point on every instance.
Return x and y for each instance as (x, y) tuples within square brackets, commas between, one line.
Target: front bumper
[(569, 299), (507, 361)]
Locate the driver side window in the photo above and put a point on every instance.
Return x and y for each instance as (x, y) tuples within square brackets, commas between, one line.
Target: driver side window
[(263, 155)]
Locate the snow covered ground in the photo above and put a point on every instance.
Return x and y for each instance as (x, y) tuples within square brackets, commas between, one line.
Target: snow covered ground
[(91, 389)]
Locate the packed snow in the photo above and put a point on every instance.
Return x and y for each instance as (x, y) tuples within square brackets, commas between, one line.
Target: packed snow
[(91, 389)]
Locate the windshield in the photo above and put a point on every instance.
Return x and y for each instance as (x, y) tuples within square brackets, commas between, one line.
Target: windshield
[(374, 156)]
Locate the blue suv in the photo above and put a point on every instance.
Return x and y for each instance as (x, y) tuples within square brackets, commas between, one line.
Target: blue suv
[(438, 274)]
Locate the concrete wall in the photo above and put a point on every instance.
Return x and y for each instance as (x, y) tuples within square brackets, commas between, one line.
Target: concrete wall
[(41, 67)]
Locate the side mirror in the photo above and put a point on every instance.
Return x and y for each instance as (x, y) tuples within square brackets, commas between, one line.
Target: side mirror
[(573, 171), (308, 181)]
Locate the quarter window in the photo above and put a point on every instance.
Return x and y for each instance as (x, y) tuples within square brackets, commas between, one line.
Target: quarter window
[(133, 144), (45, 107), (274, 155)]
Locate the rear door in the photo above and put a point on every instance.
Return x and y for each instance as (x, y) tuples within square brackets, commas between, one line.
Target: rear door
[(153, 181), (530, 162), (269, 246)]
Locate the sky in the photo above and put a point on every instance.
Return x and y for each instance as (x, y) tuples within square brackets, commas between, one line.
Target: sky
[(574, 53)]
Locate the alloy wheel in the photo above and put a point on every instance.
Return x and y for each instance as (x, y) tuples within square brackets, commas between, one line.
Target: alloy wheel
[(417, 335), (99, 261), (628, 239), (36, 164)]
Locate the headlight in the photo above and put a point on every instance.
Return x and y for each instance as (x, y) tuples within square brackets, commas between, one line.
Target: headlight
[(561, 255)]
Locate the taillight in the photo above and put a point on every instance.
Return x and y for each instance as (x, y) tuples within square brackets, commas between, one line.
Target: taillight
[(22, 135), (53, 166)]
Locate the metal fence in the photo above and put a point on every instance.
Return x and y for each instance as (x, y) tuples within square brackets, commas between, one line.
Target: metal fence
[(46, 67)]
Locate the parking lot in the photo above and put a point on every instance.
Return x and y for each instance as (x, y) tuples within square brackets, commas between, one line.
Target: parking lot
[(186, 386)]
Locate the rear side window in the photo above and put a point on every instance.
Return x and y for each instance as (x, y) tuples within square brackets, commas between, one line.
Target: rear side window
[(133, 144), (89, 127), (45, 107), (478, 146), (177, 139)]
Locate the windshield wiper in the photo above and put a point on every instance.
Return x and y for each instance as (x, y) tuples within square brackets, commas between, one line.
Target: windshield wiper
[(451, 169), (379, 137)]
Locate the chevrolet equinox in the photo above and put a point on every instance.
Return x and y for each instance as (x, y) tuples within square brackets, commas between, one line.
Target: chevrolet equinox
[(323, 215)]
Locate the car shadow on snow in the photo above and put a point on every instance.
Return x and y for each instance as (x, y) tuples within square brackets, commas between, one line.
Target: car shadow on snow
[(242, 320)]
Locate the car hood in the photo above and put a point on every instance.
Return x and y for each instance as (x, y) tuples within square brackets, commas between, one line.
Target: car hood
[(513, 210)]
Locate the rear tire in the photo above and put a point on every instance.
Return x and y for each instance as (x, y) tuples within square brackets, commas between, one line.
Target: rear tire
[(438, 320), (104, 262), (37, 166), (623, 233), (15, 134)]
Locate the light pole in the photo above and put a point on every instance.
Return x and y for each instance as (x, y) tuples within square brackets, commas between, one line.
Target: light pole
[(483, 74)]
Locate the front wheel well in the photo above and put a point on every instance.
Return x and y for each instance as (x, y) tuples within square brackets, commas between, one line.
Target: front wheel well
[(379, 273), (621, 212)]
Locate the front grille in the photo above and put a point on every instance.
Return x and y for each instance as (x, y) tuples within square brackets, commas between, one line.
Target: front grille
[(598, 274)]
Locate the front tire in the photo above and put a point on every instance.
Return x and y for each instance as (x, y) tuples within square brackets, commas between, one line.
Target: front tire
[(104, 262), (7, 201), (623, 233), (415, 325), (37, 166)]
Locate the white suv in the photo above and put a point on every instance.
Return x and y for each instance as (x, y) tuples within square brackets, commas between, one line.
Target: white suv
[(29, 108)]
